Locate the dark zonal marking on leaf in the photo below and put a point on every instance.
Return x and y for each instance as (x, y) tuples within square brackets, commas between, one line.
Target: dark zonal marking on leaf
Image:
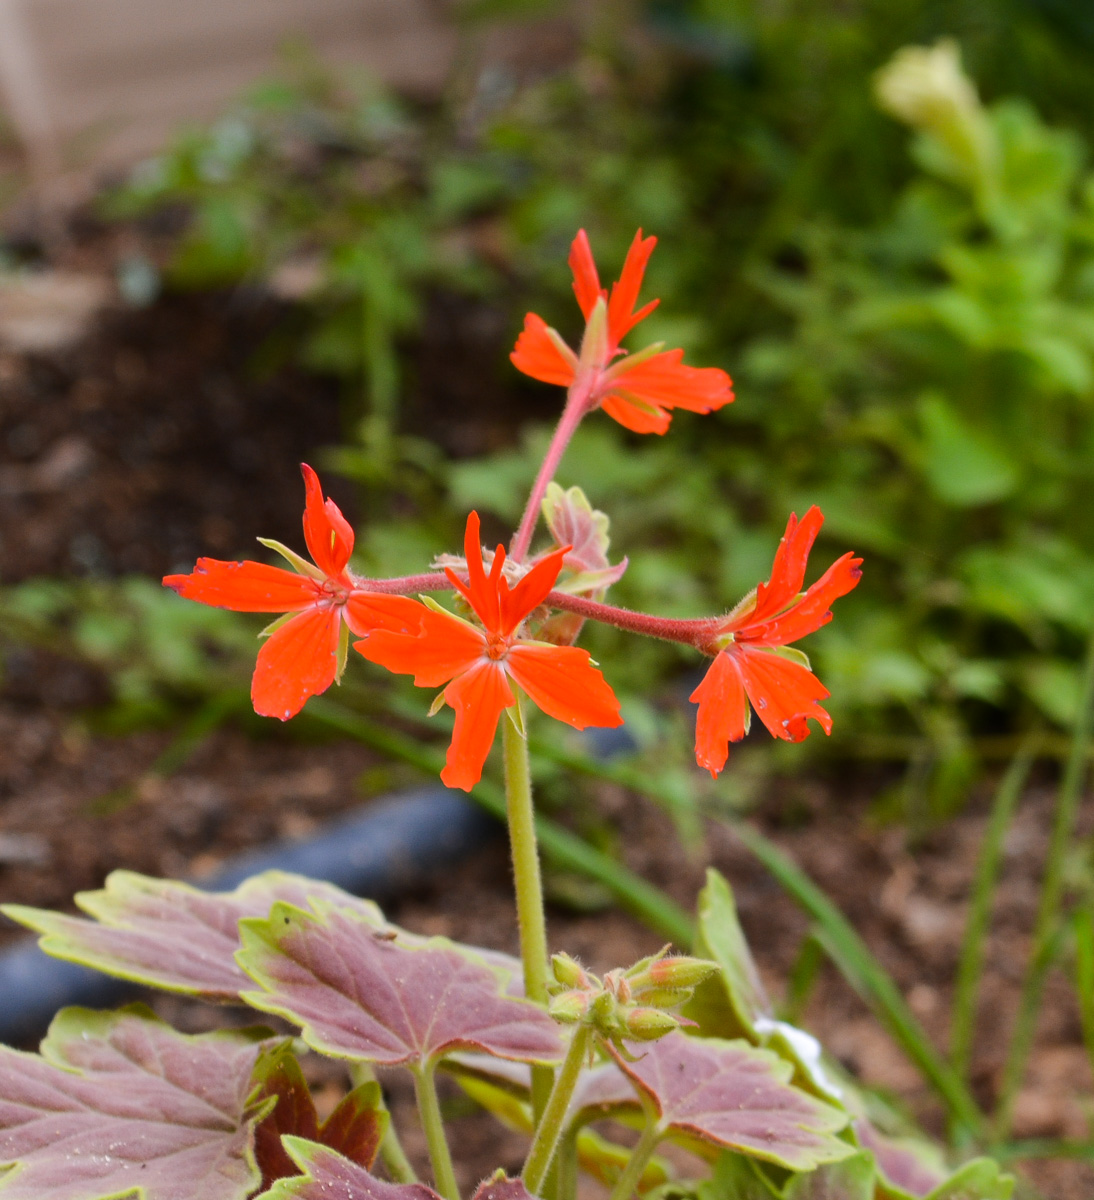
[(362, 997), (119, 1104), (737, 1096), (170, 935), (327, 1175), (354, 1128)]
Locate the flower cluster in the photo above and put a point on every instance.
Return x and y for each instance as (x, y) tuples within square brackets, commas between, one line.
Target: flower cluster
[(506, 646)]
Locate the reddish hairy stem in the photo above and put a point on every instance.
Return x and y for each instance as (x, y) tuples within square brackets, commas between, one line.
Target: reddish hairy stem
[(692, 633), (577, 405)]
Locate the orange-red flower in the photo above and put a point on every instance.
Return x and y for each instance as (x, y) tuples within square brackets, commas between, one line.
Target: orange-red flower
[(750, 666), (477, 664), (306, 650), (638, 390)]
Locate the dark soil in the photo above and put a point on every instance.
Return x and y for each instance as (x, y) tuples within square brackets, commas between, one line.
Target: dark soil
[(165, 446)]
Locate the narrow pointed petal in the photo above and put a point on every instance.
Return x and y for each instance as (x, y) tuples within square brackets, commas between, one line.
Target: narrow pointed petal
[(621, 316), (788, 570), (442, 648), (366, 611), (327, 533), (723, 713), (478, 697), (638, 419), (586, 281), (814, 608), (784, 693), (562, 681), (666, 381), (297, 661), (531, 591), (479, 592), (245, 586), (539, 355)]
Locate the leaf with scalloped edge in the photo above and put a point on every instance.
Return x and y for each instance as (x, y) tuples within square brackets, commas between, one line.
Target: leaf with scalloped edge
[(728, 1003), (169, 935), (737, 1096), (913, 1169), (122, 1105), (324, 1174), (355, 1127), (574, 522), (364, 996), (327, 1175)]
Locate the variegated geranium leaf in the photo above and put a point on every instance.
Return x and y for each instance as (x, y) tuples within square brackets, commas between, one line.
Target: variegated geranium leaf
[(324, 1174), (121, 1105), (327, 1175), (913, 1169), (359, 994), (355, 1127), (574, 522), (169, 935), (735, 1095)]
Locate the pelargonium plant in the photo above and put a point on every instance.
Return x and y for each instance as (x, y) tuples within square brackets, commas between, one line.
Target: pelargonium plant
[(682, 1049)]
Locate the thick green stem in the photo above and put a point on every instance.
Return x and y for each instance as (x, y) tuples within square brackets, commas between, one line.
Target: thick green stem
[(429, 1110), (1045, 939), (640, 1156), (529, 887), (391, 1149), (550, 1126)]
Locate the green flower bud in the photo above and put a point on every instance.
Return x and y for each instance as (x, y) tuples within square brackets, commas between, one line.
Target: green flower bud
[(648, 1024), (569, 1008), (569, 972), (677, 973)]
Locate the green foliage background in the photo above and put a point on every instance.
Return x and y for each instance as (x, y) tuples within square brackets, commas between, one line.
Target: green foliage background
[(906, 305)]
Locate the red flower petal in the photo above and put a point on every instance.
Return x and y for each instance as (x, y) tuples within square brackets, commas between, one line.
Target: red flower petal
[(327, 532), (481, 590), (562, 681), (723, 713), (478, 697), (537, 354), (664, 380), (366, 611), (633, 417), (788, 570), (586, 281), (812, 611), (245, 586), (443, 647), (783, 693), (530, 591), (621, 317), (297, 661)]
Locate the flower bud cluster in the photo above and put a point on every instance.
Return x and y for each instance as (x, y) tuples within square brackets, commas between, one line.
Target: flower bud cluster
[(632, 1004)]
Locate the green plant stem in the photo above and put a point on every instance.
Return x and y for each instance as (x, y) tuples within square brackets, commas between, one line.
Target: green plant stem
[(648, 903), (566, 1167), (640, 1156), (1048, 908), (531, 921), (550, 1127), (429, 1110), (391, 1148), (971, 961)]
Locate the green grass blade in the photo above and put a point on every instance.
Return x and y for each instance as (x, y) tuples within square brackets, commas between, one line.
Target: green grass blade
[(1084, 975), (1045, 939), (647, 902), (971, 962)]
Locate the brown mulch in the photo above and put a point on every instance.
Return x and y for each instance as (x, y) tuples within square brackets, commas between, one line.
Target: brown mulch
[(153, 442)]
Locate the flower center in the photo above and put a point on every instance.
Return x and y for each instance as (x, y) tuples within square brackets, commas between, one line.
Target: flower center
[(497, 646)]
